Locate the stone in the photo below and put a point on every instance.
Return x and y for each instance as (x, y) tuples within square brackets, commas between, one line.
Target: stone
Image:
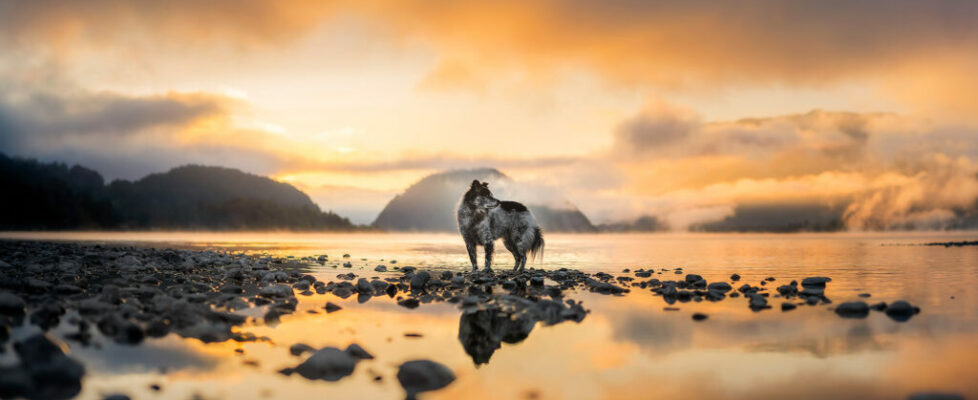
[(815, 281), (11, 304), (699, 316), (719, 287), (852, 309), (329, 364), (901, 311), (358, 352), (419, 280), (422, 376), (299, 349)]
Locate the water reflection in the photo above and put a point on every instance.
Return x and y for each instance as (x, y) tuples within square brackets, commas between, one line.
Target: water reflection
[(482, 332), (626, 348)]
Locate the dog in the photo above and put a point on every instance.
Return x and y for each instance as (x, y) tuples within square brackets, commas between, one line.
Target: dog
[(482, 219)]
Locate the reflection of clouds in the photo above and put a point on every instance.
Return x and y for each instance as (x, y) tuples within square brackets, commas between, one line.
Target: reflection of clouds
[(859, 338), (654, 332), (150, 356)]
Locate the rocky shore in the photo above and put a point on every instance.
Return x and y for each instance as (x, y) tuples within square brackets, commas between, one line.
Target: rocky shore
[(127, 294)]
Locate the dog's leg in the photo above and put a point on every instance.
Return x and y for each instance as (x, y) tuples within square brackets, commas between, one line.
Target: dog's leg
[(523, 261), (470, 246), (512, 250), (489, 248)]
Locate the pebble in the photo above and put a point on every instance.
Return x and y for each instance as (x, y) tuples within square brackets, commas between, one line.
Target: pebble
[(329, 364), (901, 311), (815, 281), (852, 309), (699, 316), (423, 375)]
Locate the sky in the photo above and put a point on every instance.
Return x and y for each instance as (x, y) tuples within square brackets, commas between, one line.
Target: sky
[(681, 110)]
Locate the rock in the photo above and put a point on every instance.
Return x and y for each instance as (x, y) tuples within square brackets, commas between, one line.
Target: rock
[(52, 374), (364, 286), (299, 349), (815, 281), (422, 376), (691, 278), (881, 306), (536, 281), (381, 268), (735, 277), (276, 291), (358, 352), (788, 306), (901, 311), (699, 316), (865, 295), (852, 309), (419, 280), (757, 302), (11, 304), (117, 396), (328, 364), (447, 275), (409, 303), (722, 287)]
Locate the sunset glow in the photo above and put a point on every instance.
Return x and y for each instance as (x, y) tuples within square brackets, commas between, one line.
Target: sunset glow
[(682, 111)]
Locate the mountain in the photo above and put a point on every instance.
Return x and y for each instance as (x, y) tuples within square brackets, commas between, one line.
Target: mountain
[(430, 204), (54, 196)]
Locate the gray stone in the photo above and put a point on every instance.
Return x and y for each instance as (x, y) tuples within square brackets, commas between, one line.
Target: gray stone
[(422, 376)]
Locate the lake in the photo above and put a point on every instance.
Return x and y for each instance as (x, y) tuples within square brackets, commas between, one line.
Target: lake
[(628, 347)]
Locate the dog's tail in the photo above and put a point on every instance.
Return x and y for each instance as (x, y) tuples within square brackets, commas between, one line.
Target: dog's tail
[(536, 246)]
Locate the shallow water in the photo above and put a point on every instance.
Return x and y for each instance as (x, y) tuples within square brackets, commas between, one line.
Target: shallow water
[(627, 347)]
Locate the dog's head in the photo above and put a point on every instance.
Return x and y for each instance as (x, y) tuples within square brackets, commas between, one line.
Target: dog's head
[(480, 196)]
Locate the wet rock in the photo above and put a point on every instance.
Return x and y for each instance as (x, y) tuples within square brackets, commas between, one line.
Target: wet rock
[(117, 396), (11, 304), (536, 281), (901, 311), (328, 364), (364, 286), (699, 316), (358, 352), (381, 268), (299, 349), (604, 287), (447, 275), (757, 302), (691, 278), (422, 376), (735, 277), (121, 330), (852, 309), (409, 303), (419, 280), (815, 281), (881, 306), (276, 291), (788, 306), (44, 372), (722, 287)]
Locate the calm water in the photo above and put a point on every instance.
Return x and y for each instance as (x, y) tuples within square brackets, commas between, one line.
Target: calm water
[(627, 348)]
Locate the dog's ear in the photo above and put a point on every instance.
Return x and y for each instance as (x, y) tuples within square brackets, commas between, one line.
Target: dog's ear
[(475, 183), (485, 185)]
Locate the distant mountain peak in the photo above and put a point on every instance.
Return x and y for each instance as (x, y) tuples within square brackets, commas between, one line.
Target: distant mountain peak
[(430, 203)]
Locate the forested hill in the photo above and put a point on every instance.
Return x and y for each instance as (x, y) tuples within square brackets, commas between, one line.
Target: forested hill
[(55, 196)]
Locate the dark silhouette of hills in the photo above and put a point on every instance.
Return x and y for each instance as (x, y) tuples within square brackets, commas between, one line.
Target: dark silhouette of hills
[(430, 204), (54, 196)]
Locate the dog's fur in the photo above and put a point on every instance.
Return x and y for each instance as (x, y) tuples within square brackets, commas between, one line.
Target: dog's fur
[(482, 219)]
